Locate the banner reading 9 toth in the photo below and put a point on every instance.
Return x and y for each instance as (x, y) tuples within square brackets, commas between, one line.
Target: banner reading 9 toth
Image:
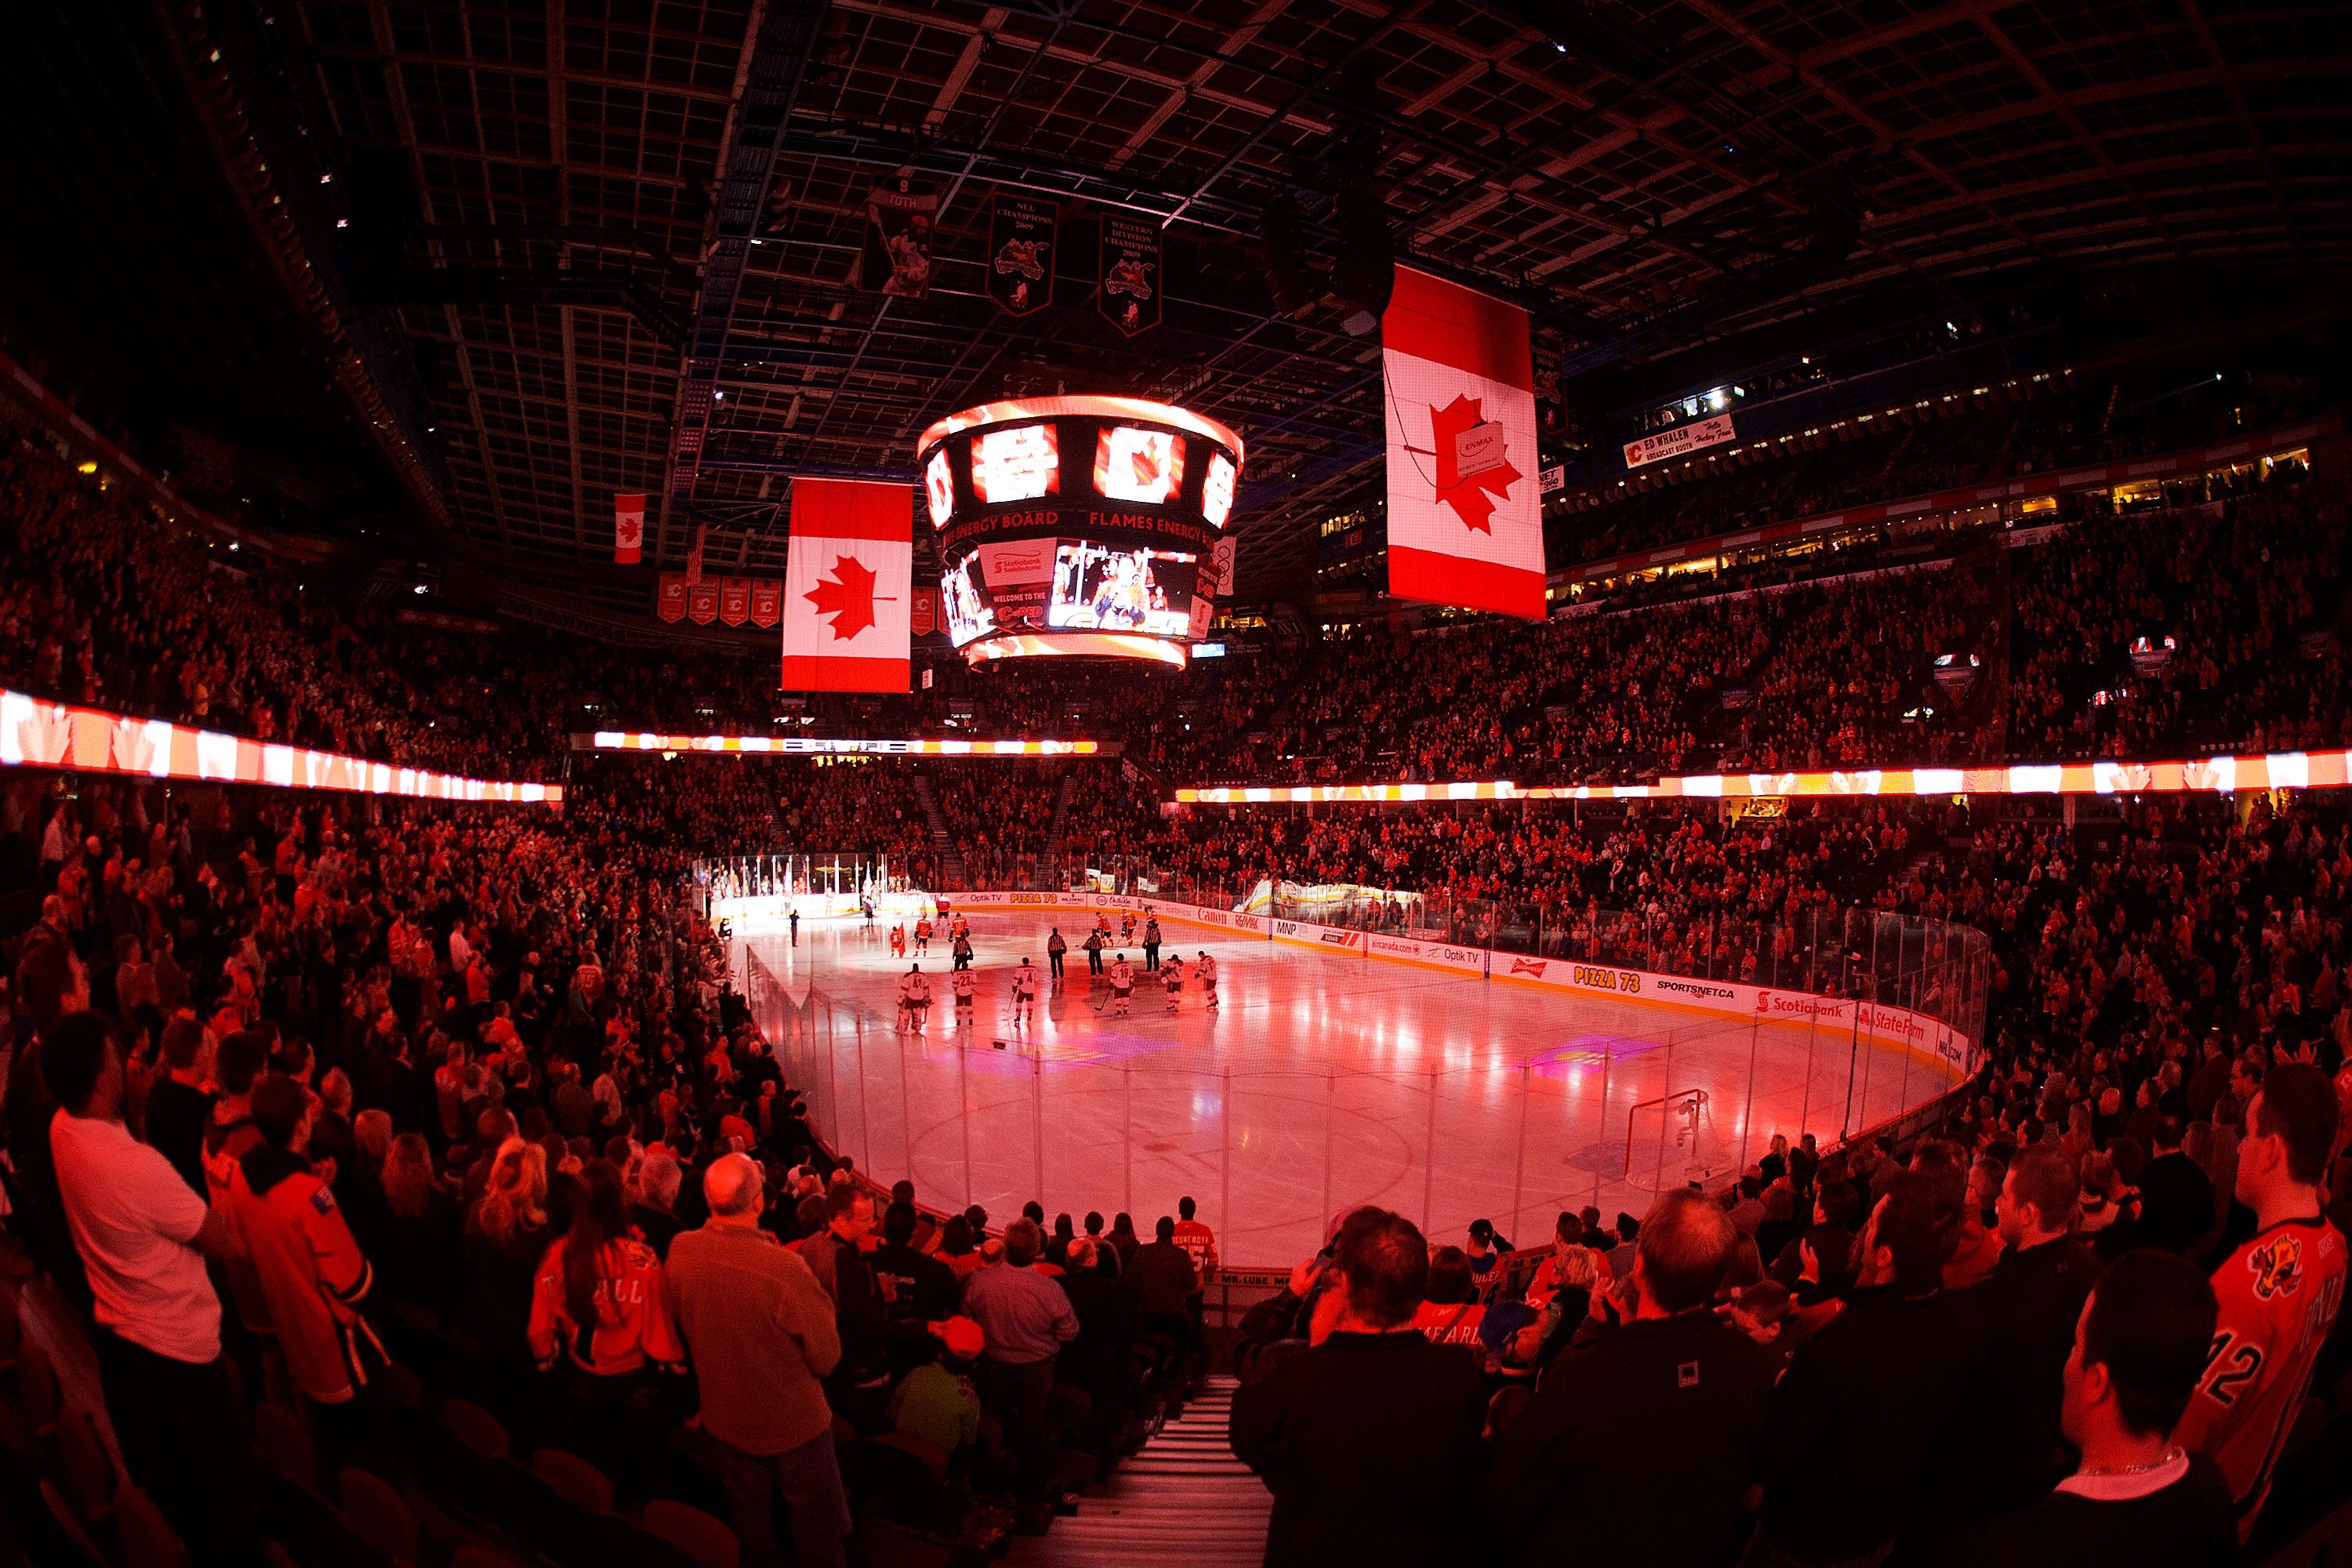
[(1086, 526)]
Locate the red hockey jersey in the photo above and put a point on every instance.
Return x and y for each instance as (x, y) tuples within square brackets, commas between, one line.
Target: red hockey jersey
[(2278, 1293), (633, 1322)]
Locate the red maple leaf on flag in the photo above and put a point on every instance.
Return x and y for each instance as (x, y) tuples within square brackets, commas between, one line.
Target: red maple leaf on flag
[(847, 597), (1472, 498)]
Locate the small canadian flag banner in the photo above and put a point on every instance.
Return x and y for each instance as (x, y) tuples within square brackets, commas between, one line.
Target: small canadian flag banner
[(1466, 524), (628, 530), (848, 586)]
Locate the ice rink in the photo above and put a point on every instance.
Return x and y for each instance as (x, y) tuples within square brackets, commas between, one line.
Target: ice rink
[(1323, 1080)]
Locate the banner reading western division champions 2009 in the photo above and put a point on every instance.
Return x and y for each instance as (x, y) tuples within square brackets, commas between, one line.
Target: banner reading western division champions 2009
[(1131, 273)]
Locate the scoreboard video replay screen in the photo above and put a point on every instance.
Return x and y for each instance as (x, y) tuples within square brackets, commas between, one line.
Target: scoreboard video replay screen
[(1086, 526)]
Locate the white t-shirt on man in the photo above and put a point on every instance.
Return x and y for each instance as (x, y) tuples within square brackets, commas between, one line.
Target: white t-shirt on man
[(134, 1221)]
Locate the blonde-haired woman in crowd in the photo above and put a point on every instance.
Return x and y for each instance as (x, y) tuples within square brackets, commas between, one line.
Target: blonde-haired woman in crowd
[(506, 1233)]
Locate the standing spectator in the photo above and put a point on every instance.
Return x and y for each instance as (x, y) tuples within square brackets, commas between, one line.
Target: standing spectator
[(178, 1107), (143, 1234), (2176, 1200), (916, 1290), (1868, 1403), (653, 1214), (1161, 1278), (311, 1270), (1027, 1320), (1096, 1360), (2279, 1292), (1639, 1444), (2137, 1497), (759, 1331), (835, 1256), (1199, 1244), (1369, 1440), (2028, 1309)]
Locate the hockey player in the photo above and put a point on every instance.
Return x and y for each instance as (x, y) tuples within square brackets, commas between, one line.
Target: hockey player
[(1204, 969), (923, 934), (914, 997), (963, 982), (1171, 978), (1125, 927), (1024, 990), (899, 940), (1122, 986)]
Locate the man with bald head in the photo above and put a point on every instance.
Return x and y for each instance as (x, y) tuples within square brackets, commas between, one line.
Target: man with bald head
[(759, 1331)]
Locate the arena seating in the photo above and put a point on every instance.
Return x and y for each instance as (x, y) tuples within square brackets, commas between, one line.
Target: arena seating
[(470, 993)]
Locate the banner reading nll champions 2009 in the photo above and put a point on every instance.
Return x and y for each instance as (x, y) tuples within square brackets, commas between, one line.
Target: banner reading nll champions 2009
[(1466, 525)]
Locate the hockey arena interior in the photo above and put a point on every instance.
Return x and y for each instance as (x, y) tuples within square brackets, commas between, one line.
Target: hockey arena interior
[(1333, 783)]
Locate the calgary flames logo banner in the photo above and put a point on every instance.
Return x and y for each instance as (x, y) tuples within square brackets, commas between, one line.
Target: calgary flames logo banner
[(1465, 523), (848, 586)]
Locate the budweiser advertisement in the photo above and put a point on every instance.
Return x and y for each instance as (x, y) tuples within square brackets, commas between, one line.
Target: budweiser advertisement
[(848, 586), (628, 530), (1465, 523)]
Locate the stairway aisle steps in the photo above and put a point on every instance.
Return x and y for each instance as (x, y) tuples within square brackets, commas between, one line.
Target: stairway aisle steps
[(1183, 1500)]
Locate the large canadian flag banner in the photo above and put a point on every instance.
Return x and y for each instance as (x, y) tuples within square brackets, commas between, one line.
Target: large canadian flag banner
[(1466, 523), (848, 584)]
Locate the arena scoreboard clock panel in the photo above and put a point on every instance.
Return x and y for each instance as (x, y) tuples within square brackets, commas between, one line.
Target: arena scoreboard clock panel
[(1077, 525)]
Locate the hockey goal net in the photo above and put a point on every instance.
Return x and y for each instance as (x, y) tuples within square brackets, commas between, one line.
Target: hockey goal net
[(1673, 1139)]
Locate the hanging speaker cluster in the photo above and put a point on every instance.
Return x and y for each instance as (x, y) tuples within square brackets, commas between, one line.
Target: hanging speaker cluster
[(1359, 282)]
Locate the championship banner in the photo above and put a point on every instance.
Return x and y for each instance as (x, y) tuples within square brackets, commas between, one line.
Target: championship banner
[(669, 599), (1022, 240), (1465, 523), (925, 613), (767, 602), (848, 586), (694, 558), (1130, 278), (702, 602), (628, 530), (734, 601), (896, 260)]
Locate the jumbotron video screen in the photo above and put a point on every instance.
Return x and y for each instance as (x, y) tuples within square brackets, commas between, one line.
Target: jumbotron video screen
[(1088, 526)]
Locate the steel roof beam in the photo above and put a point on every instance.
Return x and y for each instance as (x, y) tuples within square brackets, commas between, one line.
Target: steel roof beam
[(778, 64)]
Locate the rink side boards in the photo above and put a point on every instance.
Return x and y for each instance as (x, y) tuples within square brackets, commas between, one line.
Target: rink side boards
[(1899, 1028)]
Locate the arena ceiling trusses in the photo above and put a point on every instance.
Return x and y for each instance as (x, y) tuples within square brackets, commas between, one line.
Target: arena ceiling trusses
[(624, 232)]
